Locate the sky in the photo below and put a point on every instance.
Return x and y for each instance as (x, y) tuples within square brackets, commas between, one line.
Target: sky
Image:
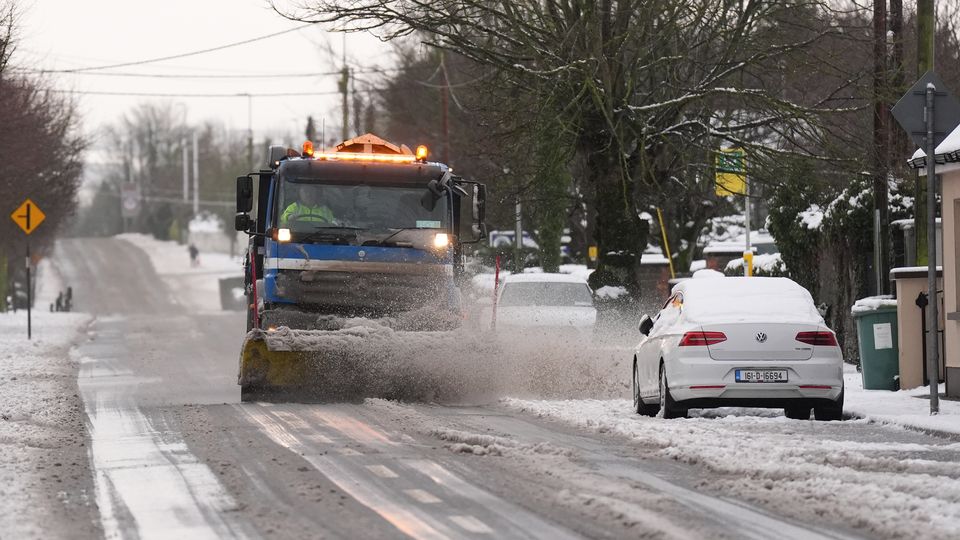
[(71, 34)]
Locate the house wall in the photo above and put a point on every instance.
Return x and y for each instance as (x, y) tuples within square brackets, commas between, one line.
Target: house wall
[(951, 236), (910, 334)]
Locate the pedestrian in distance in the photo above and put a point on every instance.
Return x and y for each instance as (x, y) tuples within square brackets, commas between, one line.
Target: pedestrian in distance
[(68, 300), (60, 301), (194, 255)]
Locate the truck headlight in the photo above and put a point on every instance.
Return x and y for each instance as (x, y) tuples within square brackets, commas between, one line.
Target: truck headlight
[(441, 240)]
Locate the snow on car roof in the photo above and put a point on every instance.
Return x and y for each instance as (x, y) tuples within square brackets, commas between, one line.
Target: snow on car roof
[(735, 299), (542, 277)]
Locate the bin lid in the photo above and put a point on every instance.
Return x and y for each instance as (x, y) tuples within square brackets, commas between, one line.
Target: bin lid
[(873, 304)]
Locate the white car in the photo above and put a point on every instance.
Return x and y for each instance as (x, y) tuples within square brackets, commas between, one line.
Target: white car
[(545, 301), (742, 342)]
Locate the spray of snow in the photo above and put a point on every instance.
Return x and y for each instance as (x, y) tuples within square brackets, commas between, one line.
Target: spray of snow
[(383, 358)]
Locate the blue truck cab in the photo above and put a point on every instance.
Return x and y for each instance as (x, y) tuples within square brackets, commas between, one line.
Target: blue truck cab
[(370, 230)]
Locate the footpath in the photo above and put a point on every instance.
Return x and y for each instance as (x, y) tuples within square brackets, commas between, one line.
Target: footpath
[(46, 488)]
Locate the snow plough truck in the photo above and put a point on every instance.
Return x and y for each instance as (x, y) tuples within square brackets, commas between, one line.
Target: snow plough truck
[(347, 248)]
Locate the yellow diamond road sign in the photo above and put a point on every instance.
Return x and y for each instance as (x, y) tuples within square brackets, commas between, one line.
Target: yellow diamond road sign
[(28, 216)]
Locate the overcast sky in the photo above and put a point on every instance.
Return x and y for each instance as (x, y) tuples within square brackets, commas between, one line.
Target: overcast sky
[(71, 34)]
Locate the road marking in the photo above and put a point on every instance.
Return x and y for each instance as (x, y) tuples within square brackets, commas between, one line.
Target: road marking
[(510, 513), (408, 519), (352, 428), (152, 477), (382, 471), (471, 524), (422, 496)]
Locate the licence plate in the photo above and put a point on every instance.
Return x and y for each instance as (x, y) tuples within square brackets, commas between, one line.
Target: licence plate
[(761, 375)]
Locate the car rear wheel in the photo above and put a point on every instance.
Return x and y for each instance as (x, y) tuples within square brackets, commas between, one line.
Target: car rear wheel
[(832, 412), (667, 404), (797, 413), (638, 404)]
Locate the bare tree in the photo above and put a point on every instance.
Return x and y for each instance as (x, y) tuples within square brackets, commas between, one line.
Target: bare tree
[(639, 83)]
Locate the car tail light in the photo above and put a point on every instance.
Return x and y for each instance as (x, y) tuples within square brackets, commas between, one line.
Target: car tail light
[(701, 339), (825, 339)]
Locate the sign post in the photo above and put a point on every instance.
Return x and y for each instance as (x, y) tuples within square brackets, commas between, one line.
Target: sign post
[(28, 217), (731, 179), (927, 112)]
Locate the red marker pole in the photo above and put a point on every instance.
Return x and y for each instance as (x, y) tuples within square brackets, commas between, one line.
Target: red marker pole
[(253, 276)]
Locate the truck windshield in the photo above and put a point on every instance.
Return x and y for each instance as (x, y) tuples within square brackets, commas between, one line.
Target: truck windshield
[(304, 205)]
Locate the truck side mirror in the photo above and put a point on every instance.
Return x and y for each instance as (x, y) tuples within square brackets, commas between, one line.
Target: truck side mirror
[(244, 194), (472, 209), (242, 222), (430, 197), (646, 324), (480, 209)]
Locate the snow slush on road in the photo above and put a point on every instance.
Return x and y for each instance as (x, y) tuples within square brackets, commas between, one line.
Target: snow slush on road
[(378, 358)]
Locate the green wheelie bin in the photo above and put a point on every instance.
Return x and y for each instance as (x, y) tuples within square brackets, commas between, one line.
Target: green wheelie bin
[(876, 320)]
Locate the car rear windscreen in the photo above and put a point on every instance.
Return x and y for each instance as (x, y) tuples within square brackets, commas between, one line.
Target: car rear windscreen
[(546, 294)]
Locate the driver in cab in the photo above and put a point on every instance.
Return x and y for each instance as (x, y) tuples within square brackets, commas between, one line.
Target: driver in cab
[(307, 209)]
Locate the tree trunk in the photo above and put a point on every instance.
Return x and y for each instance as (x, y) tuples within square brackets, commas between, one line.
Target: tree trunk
[(881, 147), (620, 234), (926, 23)]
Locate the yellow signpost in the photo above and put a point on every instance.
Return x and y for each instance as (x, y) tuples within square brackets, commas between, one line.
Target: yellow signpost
[(731, 173), (731, 179), (28, 217)]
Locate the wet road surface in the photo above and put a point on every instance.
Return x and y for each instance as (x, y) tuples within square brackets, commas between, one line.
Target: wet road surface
[(176, 455)]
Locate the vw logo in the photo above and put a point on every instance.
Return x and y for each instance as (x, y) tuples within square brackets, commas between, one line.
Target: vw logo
[(761, 337), (361, 254)]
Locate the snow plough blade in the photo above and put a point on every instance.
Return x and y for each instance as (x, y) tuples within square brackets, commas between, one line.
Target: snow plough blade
[(349, 364)]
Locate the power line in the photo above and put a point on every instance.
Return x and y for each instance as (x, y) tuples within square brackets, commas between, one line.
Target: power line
[(187, 95), (181, 75), (199, 76), (183, 55)]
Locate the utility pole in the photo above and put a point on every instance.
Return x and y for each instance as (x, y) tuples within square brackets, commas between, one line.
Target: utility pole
[(250, 132), (344, 86), (926, 22), (881, 147), (186, 169), (933, 319), (445, 106), (196, 175)]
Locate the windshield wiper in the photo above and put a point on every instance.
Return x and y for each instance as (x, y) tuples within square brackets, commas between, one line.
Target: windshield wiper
[(329, 233), (391, 235), (335, 227)]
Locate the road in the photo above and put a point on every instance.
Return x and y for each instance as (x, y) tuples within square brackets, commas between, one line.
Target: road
[(175, 454)]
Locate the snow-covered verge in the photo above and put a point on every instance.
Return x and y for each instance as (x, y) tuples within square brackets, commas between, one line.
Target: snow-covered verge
[(905, 408), (840, 473), (197, 288), (45, 481)]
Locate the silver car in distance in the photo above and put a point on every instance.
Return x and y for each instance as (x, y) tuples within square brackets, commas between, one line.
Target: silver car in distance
[(740, 342)]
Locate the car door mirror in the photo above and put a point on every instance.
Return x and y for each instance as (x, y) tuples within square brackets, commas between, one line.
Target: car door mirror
[(646, 323)]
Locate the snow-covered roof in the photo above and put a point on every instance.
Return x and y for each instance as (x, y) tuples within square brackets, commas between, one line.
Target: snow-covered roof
[(544, 277), (728, 247), (948, 151)]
